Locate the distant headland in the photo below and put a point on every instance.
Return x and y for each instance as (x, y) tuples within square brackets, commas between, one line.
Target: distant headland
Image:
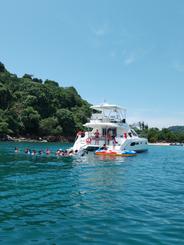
[(165, 136)]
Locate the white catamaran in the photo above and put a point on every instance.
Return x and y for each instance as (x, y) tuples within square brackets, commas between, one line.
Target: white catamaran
[(108, 126)]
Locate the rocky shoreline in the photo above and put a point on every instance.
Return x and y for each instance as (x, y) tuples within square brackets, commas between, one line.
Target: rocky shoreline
[(45, 139)]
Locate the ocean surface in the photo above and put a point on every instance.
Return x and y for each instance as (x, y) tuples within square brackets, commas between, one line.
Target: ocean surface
[(91, 200)]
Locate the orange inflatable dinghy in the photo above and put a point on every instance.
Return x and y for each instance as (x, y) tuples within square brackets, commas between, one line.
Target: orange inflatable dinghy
[(124, 153)]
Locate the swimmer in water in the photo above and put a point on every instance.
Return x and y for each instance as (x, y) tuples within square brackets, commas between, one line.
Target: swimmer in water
[(40, 152), (16, 150), (33, 153), (48, 152)]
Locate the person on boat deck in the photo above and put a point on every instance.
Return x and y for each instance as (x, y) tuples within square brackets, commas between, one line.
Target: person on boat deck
[(104, 147), (108, 138), (97, 134), (114, 142)]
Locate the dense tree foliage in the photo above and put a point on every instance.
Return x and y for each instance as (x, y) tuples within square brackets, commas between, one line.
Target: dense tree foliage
[(173, 134), (32, 107)]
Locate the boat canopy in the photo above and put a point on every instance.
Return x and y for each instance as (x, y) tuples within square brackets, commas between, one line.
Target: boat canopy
[(106, 106), (100, 124)]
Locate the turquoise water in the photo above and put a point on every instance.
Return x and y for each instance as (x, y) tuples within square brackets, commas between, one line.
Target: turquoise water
[(46, 200)]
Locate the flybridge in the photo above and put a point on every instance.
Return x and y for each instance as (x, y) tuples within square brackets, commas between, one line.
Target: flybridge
[(108, 113), (107, 107)]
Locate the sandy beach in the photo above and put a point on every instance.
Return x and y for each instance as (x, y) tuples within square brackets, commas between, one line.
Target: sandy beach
[(159, 144)]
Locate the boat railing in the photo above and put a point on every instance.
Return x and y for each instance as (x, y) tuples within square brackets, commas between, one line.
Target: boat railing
[(99, 117), (90, 138)]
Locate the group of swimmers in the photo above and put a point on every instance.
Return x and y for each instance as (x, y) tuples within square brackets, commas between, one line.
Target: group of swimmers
[(59, 152), (65, 153)]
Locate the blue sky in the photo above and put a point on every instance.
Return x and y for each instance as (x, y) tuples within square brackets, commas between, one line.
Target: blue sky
[(125, 52)]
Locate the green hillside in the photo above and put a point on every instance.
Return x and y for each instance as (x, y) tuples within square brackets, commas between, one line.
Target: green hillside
[(31, 107)]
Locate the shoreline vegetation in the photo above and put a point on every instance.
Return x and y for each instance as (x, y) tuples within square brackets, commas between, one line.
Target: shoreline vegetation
[(61, 139), (173, 135), (42, 111)]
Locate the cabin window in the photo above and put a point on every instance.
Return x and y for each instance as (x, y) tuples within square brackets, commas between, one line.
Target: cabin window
[(133, 132), (134, 143), (130, 134), (112, 132), (109, 131)]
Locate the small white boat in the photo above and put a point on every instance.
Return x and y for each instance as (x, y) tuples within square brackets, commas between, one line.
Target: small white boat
[(108, 126)]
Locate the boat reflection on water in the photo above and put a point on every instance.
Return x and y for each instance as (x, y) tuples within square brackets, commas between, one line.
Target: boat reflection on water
[(110, 157)]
